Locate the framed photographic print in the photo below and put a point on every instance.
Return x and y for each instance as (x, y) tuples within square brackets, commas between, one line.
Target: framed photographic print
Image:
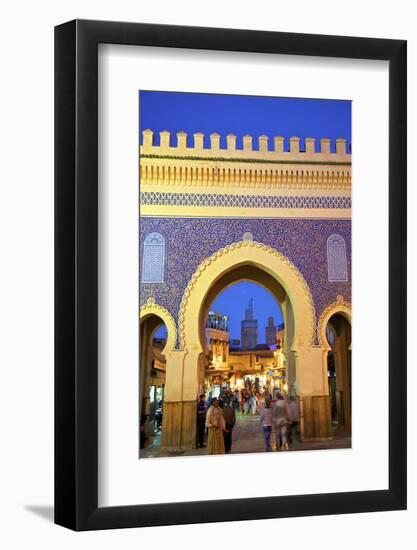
[(230, 275)]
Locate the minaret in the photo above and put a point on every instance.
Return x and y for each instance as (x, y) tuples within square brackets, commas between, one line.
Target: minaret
[(249, 311), (249, 328), (270, 332)]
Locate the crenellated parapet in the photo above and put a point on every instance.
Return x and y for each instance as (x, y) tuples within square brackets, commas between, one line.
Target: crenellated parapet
[(264, 151), (269, 165)]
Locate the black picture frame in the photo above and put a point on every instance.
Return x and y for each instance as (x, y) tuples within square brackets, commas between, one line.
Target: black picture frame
[(76, 272)]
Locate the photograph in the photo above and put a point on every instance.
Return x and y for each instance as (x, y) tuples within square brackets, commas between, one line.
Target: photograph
[(209, 231), (245, 265)]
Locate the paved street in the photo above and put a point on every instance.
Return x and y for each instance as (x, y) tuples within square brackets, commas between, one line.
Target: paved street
[(248, 438)]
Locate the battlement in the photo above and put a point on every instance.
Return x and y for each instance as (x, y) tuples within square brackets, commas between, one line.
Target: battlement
[(169, 167), (300, 151)]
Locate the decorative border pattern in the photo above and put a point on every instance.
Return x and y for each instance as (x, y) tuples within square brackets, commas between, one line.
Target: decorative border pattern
[(248, 160), (225, 250), (242, 201), (151, 308)]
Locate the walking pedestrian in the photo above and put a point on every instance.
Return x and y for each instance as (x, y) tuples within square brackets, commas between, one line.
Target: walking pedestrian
[(261, 403), (230, 420), (216, 426), (235, 401), (242, 401), (281, 416), (294, 417), (266, 423), (246, 405), (252, 404)]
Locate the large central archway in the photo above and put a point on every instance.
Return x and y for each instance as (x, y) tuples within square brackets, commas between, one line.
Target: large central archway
[(274, 265)]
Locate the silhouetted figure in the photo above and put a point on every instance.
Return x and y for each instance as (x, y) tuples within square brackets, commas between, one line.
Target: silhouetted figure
[(266, 423), (281, 415), (229, 416), (201, 421)]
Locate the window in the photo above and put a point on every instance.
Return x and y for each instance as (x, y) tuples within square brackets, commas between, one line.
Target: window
[(153, 264), (336, 259)]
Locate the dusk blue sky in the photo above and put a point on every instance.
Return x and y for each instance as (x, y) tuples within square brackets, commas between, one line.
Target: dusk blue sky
[(234, 300), (240, 115)]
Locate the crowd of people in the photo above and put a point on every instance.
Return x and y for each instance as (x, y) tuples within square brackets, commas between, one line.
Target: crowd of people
[(216, 418)]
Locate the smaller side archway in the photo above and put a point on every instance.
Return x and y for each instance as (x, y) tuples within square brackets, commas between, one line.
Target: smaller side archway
[(154, 355), (335, 336), (340, 306), (151, 308)]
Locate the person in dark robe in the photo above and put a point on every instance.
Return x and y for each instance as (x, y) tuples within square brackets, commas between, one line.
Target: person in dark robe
[(229, 420), (201, 421)]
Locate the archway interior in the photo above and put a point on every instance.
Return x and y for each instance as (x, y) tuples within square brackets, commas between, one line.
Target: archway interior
[(226, 363), (152, 372), (339, 370)]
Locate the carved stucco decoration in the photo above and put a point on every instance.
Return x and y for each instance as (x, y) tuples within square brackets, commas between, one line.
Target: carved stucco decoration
[(248, 237)]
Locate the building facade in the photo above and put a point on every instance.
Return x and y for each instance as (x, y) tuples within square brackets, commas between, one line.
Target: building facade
[(217, 342), (211, 217), (231, 369)]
